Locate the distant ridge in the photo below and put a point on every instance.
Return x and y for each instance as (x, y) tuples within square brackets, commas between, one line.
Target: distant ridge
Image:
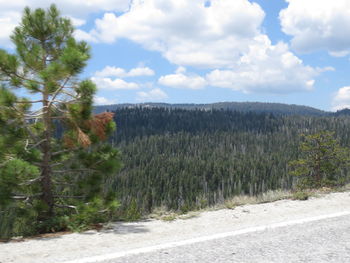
[(276, 108), (343, 112)]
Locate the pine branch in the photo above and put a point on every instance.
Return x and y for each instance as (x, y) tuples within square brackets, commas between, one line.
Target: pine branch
[(33, 146), (63, 183), (31, 134), (40, 116), (75, 170), (25, 147), (65, 101), (64, 151), (25, 197), (66, 206), (33, 117), (56, 164), (51, 165), (58, 109), (36, 114), (37, 144), (33, 101), (69, 196), (4, 163), (69, 94), (15, 109), (15, 74), (32, 181), (57, 92), (58, 117)]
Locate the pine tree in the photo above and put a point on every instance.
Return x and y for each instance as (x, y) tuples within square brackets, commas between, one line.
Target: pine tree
[(43, 177), (321, 163)]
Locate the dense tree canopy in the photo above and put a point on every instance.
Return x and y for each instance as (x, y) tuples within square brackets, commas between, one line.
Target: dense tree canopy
[(185, 159)]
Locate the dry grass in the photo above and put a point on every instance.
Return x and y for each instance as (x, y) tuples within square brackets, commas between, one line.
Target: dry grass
[(272, 196), (189, 215), (239, 201), (267, 197), (169, 217), (344, 188), (162, 213)]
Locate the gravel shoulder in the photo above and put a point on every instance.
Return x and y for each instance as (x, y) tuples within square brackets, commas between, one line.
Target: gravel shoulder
[(121, 237)]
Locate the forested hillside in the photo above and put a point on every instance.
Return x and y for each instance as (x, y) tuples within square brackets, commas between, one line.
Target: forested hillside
[(185, 159), (260, 107)]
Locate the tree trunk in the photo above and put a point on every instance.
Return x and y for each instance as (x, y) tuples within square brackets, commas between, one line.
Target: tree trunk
[(46, 181)]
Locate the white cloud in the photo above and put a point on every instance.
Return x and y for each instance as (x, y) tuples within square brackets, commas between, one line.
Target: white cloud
[(114, 84), (109, 71), (103, 101), (325, 69), (182, 80), (180, 70), (341, 99), (225, 36), (77, 21), (152, 95), (266, 68), (144, 71), (8, 21), (82, 35), (186, 32), (318, 25), (77, 10)]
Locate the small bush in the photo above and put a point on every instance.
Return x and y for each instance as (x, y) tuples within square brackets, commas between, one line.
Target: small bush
[(301, 195), (90, 214), (132, 213)]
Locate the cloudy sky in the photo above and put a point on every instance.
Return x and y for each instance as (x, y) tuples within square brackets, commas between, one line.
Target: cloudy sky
[(201, 51)]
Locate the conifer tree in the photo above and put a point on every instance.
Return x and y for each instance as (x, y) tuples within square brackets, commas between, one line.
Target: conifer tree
[(44, 178), (322, 160)]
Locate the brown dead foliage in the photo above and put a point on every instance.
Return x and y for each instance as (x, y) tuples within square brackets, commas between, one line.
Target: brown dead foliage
[(83, 138), (97, 125), (68, 142), (99, 122)]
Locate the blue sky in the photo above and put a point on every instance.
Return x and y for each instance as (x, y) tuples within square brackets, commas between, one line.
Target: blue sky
[(200, 51)]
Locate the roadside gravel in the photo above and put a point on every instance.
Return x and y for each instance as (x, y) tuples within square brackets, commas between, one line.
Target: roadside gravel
[(121, 237)]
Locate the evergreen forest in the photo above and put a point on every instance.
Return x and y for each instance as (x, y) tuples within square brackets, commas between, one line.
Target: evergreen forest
[(187, 159)]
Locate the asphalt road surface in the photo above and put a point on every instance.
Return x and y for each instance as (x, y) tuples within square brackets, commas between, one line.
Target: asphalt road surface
[(319, 241)]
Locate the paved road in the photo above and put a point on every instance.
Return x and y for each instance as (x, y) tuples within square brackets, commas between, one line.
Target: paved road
[(320, 241)]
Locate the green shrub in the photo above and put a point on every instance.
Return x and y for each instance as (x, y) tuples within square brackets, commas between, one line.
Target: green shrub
[(90, 214), (301, 195), (132, 212)]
